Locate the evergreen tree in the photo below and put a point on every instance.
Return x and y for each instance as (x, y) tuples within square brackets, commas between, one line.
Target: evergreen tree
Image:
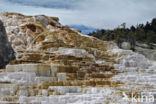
[(141, 33)]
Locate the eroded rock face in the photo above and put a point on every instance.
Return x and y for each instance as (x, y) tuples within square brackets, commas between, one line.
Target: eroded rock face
[(6, 51)]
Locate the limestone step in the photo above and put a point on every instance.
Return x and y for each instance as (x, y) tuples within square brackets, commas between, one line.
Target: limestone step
[(99, 75), (65, 89), (27, 78), (8, 89), (39, 69), (93, 82), (45, 79), (139, 78), (64, 68), (88, 96), (17, 77), (9, 100)]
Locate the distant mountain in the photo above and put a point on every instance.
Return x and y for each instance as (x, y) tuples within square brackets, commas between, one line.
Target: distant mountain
[(83, 29)]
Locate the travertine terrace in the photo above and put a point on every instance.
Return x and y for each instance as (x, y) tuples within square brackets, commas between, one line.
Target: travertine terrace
[(58, 65)]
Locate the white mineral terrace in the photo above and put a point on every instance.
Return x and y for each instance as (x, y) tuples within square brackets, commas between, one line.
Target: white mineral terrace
[(20, 83), (64, 66)]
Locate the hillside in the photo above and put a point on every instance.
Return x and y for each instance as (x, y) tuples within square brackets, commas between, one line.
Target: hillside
[(140, 33), (58, 65), (141, 39)]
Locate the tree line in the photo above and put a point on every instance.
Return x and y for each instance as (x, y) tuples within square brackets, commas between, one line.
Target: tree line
[(140, 33)]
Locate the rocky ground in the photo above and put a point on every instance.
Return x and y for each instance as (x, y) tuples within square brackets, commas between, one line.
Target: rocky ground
[(58, 65)]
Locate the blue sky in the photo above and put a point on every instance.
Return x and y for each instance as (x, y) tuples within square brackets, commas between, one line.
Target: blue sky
[(106, 14)]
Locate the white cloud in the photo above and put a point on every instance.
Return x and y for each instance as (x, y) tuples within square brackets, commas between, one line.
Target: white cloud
[(95, 13)]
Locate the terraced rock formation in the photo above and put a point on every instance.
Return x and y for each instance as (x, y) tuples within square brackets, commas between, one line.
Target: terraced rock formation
[(58, 65)]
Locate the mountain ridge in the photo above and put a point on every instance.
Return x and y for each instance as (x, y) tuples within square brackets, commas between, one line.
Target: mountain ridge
[(84, 29)]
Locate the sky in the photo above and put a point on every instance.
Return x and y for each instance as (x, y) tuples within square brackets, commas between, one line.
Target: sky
[(107, 14)]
